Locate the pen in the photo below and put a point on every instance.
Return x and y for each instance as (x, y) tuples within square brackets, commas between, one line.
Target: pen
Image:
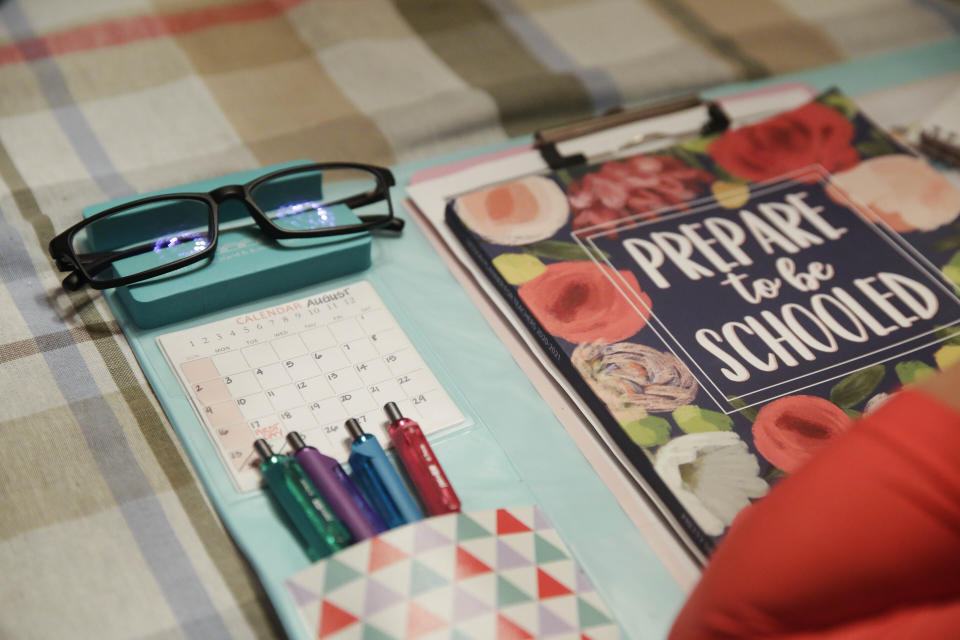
[(378, 480), (343, 497), (421, 463), (302, 502)]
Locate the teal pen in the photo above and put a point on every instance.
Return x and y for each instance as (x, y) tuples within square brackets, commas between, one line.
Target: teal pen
[(300, 499), (379, 480)]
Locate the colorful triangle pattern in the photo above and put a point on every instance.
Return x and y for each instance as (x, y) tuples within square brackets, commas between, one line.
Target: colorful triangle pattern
[(502, 573), (469, 565), (423, 579), (550, 587), (508, 523), (333, 619), (338, 574), (547, 552), (551, 624), (468, 528), (509, 558), (370, 632), (421, 622), (383, 554), (300, 595), (507, 629), (379, 597), (466, 605)]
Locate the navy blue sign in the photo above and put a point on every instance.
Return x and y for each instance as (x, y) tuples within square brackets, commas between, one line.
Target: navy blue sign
[(788, 290)]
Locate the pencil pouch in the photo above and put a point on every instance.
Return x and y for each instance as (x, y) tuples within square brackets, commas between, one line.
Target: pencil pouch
[(496, 573)]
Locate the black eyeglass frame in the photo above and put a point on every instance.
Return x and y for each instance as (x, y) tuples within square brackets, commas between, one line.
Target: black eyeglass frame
[(83, 271)]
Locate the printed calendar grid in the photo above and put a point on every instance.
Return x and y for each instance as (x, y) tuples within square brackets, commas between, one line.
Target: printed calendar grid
[(304, 366)]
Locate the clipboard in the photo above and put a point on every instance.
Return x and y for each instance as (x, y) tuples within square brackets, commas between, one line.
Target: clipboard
[(551, 153), (634, 131)]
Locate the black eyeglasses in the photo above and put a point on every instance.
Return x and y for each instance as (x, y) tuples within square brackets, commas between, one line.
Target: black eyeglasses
[(158, 234)]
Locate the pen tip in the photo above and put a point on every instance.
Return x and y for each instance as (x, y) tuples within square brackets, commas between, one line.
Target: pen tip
[(263, 449), (296, 440), (354, 428), (393, 411)]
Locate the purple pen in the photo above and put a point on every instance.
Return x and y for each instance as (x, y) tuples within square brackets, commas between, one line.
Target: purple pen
[(337, 488)]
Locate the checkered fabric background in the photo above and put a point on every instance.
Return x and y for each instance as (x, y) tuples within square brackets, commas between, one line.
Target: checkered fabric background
[(104, 529)]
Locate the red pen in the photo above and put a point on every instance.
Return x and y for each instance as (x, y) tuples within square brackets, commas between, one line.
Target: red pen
[(421, 464)]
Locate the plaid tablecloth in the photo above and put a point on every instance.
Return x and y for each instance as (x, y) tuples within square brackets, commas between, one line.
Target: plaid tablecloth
[(104, 528)]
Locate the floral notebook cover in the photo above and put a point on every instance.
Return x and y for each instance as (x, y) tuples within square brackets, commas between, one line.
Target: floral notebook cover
[(728, 306)]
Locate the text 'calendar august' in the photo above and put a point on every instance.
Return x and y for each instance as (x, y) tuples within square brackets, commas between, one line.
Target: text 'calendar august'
[(305, 365)]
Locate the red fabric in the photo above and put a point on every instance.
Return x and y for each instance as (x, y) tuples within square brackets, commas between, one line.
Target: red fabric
[(862, 542)]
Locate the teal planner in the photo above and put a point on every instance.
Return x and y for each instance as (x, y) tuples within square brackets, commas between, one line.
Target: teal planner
[(470, 362)]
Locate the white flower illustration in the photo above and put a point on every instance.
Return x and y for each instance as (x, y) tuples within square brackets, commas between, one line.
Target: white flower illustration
[(713, 476), (634, 378), (875, 402)]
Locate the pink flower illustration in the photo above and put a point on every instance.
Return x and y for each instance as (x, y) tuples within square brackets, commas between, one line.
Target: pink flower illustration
[(515, 213), (576, 301), (901, 190), (636, 185), (811, 134), (790, 430)]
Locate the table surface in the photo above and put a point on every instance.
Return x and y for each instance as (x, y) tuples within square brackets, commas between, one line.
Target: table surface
[(106, 529)]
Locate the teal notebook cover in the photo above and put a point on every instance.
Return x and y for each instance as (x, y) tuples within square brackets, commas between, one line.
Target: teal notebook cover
[(510, 450)]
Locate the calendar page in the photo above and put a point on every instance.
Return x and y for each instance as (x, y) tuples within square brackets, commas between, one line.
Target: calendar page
[(305, 365)]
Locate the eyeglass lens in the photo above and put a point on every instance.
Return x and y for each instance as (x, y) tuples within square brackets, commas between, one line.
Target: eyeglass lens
[(314, 199), (143, 237)]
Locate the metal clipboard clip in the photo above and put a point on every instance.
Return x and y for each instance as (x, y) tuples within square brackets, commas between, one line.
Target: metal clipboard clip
[(941, 145), (548, 140)]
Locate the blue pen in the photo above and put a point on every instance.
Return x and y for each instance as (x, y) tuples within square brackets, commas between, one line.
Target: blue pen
[(378, 480)]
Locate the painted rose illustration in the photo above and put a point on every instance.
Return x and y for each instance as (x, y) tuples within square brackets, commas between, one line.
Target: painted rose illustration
[(901, 190), (639, 184), (790, 430), (515, 213), (634, 378), (577, 301), (713, 475), (812, 134)]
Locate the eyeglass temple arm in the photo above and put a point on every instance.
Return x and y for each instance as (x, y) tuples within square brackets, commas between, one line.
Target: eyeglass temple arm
[(395, 224), (94, 263)]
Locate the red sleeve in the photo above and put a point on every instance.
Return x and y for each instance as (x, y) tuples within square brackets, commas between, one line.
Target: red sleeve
[(862, 541)]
